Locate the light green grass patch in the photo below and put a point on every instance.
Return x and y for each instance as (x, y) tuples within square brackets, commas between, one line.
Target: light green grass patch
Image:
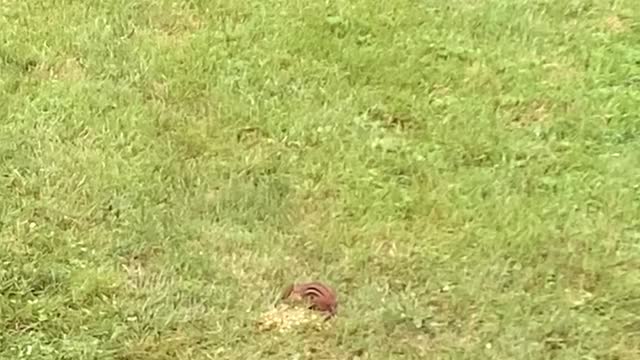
[(465, 173)]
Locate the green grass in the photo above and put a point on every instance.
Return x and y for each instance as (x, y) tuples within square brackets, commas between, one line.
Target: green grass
[(465, 173)]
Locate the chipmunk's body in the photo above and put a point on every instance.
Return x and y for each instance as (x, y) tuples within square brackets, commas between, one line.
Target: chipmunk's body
[(321, 297)]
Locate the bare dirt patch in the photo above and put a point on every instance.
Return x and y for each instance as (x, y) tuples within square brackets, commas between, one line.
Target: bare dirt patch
[(615, 24)]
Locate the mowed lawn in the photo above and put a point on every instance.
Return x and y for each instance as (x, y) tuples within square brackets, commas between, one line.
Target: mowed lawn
[(466, 174)]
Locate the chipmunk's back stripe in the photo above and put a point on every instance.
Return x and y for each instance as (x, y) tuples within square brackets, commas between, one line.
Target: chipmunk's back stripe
[(313, 290)]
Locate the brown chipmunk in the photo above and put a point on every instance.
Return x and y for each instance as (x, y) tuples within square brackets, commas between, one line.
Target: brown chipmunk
[(319, 296)]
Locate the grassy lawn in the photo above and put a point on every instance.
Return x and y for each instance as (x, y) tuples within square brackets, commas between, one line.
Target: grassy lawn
[(465, 173)]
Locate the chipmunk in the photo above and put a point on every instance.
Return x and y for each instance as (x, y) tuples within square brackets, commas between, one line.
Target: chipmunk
[(319, 296)]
